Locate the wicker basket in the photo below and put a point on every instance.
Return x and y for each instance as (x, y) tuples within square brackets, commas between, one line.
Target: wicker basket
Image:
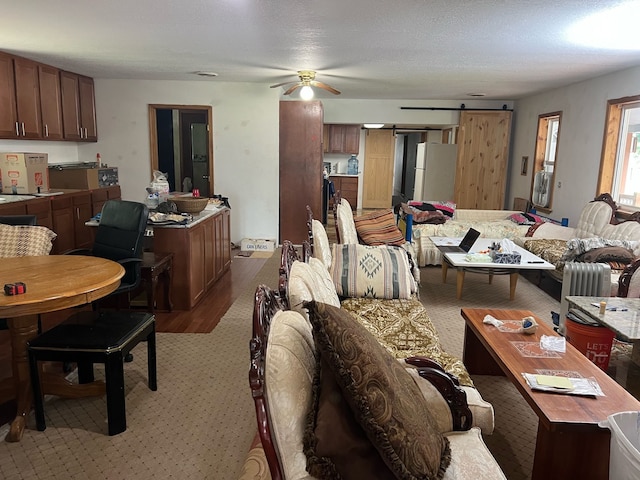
[(190, 204)]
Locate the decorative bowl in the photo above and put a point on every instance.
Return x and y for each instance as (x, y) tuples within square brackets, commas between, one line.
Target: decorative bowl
[(190, 204)]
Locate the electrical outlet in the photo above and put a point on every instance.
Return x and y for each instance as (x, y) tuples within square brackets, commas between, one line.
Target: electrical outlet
[(559, 184)]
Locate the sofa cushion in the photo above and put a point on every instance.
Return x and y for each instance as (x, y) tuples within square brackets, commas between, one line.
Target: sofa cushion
[(290, 364), (371, 271), (593, 218), (345, 223), (606, 254), (25, 240), (321, 247), (385, 400), (424, 216), (379, 228), (579, 246), (470, 457), (307, 283)]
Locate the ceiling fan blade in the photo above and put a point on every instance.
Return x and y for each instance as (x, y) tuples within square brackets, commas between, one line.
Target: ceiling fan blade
[(291, 89), (281, 84), (326, 87)]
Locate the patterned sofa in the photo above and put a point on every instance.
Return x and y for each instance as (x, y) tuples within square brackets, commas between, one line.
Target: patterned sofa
[(283, 377)]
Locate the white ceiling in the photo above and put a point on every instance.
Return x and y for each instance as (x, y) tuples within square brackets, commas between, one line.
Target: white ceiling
[(376, 49)]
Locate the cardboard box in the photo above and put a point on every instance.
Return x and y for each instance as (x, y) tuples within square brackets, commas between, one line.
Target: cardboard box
[(257, 245), (24, 173), (83, 178)]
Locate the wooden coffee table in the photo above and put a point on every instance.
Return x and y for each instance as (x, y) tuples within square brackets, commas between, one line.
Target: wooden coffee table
[(569, 444)]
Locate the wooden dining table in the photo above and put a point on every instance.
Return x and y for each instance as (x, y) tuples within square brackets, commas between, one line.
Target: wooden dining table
[(53, 282)]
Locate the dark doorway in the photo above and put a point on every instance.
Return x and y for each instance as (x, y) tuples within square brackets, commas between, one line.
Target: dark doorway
[(182, 146)]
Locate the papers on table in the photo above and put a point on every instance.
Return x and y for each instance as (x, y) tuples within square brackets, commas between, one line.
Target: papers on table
[(445, 241), (563, 385), (553, 343)]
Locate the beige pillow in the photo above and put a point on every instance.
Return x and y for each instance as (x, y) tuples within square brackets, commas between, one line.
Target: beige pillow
[(321, 247), (25, 240), (371, 271), (327, 293), (345, 223)]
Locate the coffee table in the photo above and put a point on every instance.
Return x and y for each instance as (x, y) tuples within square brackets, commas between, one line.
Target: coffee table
[(528, 261), (569, 443)]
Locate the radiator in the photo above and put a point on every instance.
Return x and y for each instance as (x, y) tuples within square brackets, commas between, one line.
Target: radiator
[(583, 279)]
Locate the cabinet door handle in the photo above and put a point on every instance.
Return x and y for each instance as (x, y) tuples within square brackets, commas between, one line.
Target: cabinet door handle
[(23, 129), (17, 131), (46, 130), (86, 135), (80, 131)]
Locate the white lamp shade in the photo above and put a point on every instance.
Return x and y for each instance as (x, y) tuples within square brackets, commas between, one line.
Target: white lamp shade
[(306, 93)]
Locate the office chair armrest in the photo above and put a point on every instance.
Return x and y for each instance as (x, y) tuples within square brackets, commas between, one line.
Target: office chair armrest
[(125, 261), (79, 251)]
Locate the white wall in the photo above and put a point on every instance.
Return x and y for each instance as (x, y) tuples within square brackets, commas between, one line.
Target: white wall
[(583, 107)]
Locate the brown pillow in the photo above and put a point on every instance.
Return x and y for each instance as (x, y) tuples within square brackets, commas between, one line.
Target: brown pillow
[(383, 397), (335, 445), (379, 228), (607, 254)]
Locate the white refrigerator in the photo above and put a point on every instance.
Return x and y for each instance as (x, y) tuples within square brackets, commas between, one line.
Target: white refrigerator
[(435, 171)]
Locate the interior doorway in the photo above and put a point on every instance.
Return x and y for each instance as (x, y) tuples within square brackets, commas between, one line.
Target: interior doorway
[(181, 141)]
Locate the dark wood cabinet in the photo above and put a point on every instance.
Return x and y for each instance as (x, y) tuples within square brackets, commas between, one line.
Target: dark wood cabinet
[(78, 107), (348, 188), (201, 256), (41, 208), (100, 195), (50, 102), (70, 212), (300, 166), (82, 213), (38, 101), (339, 138)]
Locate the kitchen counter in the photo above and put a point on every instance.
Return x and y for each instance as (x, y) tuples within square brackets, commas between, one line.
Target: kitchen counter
[(197, 219)]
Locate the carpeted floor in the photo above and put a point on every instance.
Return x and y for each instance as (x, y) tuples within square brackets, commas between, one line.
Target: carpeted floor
[(200, 422)]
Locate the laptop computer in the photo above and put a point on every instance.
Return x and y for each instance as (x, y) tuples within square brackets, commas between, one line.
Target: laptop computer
[(465, 244)]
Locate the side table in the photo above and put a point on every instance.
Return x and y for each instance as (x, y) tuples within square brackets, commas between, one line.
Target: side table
[(155, 265)]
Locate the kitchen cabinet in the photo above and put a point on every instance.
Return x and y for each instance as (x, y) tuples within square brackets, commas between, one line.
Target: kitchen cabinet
[(41, 208), (78, 107), (339, 138), (50, 102), (348, 187), (300, 166), (70, 212), (100, 195), (201, 255), (19, 98)]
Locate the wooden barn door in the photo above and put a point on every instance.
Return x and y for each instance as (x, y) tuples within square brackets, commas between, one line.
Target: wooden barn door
[(481, 167), (377, 178)]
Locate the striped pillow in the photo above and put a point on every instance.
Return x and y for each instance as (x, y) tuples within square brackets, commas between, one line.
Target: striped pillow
[(371, 271), (379, 228)]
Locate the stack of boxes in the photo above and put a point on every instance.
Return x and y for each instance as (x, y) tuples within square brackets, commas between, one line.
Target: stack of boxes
[(24, 173)]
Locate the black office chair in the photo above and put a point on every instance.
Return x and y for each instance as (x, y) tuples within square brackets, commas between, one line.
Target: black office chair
[(119, 237)]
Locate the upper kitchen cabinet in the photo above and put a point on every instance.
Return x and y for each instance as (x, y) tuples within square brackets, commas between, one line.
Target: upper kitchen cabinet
[(341, 138), (19, 98), (50, 102), (78, 107)]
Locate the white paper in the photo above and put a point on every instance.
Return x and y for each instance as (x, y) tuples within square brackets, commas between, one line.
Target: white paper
[(553, 343), (581, 386)]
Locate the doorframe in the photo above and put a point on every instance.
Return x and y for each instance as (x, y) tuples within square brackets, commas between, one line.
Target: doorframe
[(153, 134)]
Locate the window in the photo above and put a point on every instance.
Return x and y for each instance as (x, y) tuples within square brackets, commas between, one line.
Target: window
[(544, 161), (620, 163)]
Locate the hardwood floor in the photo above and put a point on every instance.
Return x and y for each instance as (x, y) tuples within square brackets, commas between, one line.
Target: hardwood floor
[(202, 319)]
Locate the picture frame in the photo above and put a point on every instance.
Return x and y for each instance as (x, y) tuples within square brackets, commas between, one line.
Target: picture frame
[(524, 166)]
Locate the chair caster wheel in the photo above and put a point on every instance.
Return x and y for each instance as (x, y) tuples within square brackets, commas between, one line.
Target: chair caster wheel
[(128, 357)]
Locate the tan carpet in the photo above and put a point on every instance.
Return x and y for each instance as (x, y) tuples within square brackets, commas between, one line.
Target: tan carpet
[(198, 425), (513, 440)]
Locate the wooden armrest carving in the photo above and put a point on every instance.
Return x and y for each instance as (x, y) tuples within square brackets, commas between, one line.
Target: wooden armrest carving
[(424, 362), (453, 394)]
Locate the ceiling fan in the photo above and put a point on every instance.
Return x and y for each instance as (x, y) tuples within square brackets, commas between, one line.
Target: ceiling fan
[(307, 80)]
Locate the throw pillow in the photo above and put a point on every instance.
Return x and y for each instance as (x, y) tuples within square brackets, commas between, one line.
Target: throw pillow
[(25, 241), (386, 402), (306, 284), (371, 271), (607, 254), (379, 228), (335, 444)]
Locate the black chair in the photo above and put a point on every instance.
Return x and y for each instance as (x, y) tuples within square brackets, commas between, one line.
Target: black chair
[(19, 220), (119, 237), (96, 337)]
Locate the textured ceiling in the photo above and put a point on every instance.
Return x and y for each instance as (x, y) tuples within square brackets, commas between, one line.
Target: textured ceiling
[(378, 49)]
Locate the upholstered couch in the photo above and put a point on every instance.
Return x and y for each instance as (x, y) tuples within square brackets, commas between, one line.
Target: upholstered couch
[(298, 389)]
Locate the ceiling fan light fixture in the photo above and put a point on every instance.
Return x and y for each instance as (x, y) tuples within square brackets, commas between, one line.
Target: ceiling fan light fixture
[(306, 92), (373, 125)]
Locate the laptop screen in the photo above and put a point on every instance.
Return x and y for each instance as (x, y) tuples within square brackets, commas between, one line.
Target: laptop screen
[(469, 239)]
